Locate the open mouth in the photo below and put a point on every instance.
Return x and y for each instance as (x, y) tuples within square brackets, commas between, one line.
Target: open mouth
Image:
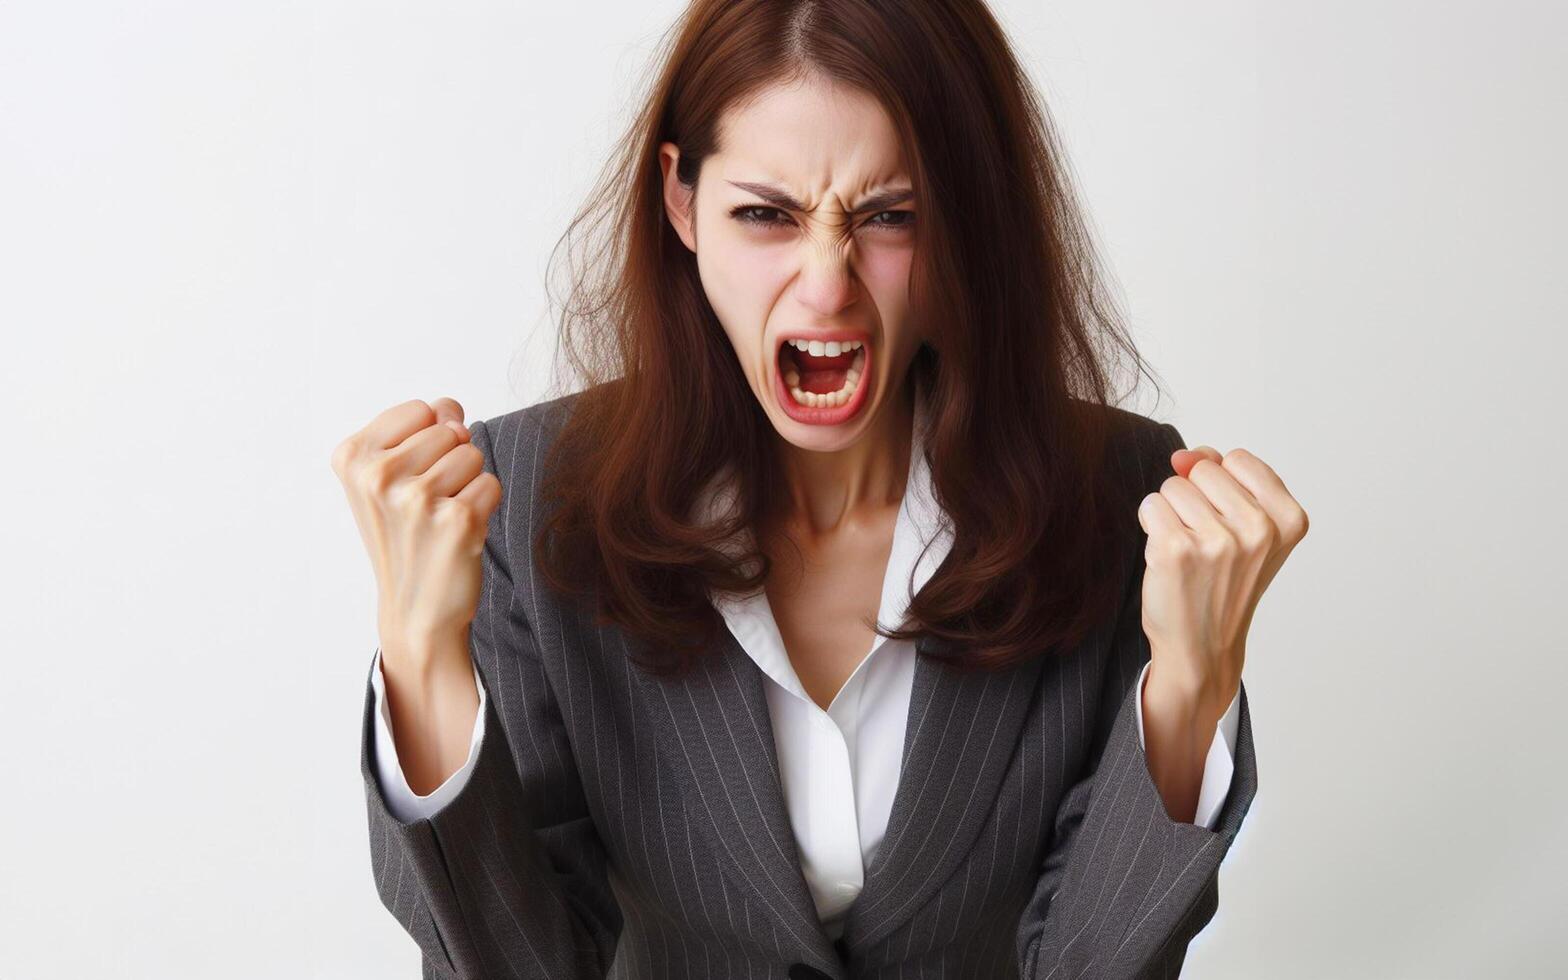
[(822, 375)]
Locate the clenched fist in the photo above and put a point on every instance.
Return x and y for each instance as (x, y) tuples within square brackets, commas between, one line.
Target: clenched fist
[(422, 500), (1219, 530)]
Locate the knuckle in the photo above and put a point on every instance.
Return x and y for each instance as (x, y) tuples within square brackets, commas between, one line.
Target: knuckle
[(1217, 546), (375, 477), (457, 518), (1171, 482), (1174, 549), (1297, 524), (343, 454), (1258, 532), (446, 516), (409, 497)]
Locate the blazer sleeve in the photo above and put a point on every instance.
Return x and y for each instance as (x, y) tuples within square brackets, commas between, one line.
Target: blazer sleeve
[(1124, 887), (508, 878)]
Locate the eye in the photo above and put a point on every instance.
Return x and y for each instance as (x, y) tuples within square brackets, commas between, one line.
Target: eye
[(907, 219), (757, 214)]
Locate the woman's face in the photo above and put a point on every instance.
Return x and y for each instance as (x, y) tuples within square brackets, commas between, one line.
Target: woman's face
[(803, 225)]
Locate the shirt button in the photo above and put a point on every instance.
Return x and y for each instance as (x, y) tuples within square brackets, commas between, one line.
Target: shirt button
[(847, 889)]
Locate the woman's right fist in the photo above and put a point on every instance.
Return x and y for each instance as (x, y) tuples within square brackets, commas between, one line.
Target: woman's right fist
[(422, 500)]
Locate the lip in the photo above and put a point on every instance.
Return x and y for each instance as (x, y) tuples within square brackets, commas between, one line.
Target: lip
[(826, 416)]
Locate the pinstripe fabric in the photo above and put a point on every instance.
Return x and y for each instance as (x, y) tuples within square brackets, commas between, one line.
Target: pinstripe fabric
[(626, 826)]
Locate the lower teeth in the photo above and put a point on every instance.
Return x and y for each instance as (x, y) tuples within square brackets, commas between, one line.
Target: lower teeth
[(829, 399)]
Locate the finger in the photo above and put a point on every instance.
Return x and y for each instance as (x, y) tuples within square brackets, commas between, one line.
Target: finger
[(453, 471), (398, 423), (450, 413), (1229, 497), (1183, 460), (1158, 519), (1190, 504), (483, 493), (1268, 490), (419, 452)]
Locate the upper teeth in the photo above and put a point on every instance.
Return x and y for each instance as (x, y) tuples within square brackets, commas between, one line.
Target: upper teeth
[(817, 348)]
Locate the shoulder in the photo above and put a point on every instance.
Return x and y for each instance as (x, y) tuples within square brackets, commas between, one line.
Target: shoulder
[(1138, 449), (544, 417), (513, 440), (1137, 435)]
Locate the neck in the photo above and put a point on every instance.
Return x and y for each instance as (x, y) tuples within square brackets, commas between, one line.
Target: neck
[(824, 492)]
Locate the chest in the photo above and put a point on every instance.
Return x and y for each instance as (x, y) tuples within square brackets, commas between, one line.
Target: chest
[(824, 593)]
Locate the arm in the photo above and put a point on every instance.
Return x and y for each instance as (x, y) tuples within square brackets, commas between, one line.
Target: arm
[(1124, 888), (1221, 760), (507, 876), (404, 804)]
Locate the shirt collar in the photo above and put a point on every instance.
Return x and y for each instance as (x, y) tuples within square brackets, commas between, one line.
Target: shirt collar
[(921, 521)]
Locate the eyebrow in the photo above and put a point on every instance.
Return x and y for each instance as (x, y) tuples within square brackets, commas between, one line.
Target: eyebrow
[(780, 198)]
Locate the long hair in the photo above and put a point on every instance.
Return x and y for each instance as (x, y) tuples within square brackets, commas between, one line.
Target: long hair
[(1018, 370)]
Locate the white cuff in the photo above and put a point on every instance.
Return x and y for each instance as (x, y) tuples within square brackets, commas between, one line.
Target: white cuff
[(1218, 766), (404, 804)]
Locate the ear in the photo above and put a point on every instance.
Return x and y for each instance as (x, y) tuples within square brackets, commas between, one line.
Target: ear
[(678, 198)]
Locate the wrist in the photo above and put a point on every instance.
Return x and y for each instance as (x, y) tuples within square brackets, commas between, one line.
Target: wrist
[(420, 653), (1180, 703)]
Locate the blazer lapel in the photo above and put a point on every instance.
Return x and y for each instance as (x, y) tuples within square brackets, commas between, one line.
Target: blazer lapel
[(718, 748), (961, 734)]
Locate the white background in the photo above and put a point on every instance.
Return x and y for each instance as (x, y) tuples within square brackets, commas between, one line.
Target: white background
[(232, 233)]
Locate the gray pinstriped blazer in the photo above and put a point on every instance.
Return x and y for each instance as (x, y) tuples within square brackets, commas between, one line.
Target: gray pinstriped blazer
[(618, 825)]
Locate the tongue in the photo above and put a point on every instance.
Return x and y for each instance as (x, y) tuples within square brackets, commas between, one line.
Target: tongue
[(820, 375)]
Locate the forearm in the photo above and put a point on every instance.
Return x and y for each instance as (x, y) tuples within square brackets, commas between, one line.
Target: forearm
[(1178, 728), (434, 705)]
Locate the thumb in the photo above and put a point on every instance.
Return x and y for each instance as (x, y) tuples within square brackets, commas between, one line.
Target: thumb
[(1183, 460)]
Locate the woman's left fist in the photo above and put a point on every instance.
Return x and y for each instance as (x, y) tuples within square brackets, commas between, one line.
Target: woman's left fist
[(1219, 530)]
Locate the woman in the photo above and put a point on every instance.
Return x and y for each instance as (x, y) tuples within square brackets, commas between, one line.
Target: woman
[(840, 626)]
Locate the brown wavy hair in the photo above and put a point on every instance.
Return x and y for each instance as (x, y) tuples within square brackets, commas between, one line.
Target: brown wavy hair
[(1017, 374)]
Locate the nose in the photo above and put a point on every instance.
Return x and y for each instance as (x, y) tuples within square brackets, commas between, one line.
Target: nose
[(827, 281)]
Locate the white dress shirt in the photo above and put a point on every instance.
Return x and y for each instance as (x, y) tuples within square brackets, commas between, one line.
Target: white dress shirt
[(839, 768)]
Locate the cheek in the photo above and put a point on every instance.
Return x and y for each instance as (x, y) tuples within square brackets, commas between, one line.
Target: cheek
[(742, 265), (743, 281), (885, 271), (886, 268)]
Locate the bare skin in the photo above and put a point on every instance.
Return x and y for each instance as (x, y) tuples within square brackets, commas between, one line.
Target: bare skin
[(826, 583), (821, 599)]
